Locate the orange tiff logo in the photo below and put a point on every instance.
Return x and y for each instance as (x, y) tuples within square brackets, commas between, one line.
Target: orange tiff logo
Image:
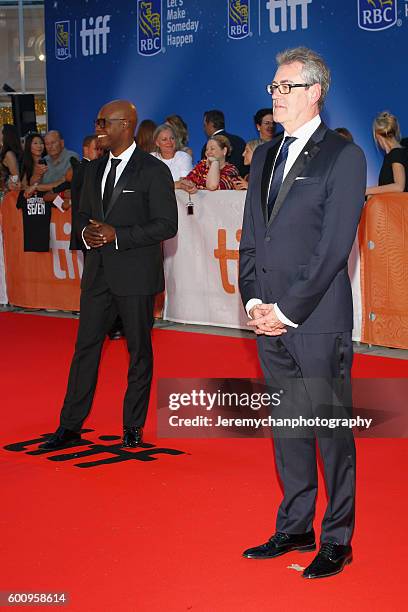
[(224, 255)]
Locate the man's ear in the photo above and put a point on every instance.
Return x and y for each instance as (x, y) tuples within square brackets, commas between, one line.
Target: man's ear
[(316, 92)]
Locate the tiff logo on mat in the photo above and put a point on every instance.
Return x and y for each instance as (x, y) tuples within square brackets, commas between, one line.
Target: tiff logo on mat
[(98, 452)]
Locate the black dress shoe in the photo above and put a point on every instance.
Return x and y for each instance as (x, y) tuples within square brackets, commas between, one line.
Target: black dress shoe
[(62, 438), (132, 437), (281, 543), (330, 560), (116, 334), (116, 331)]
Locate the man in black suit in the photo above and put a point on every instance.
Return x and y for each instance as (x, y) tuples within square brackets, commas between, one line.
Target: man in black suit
[(304, 201), (214, 123), (127, 209)]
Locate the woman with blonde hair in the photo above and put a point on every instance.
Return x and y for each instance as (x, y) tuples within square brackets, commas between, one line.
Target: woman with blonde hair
[(394, 170), (178, 162), (242, 183), (180, 128)]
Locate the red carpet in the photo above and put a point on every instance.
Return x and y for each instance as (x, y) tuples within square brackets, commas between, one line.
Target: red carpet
[(165, 532)]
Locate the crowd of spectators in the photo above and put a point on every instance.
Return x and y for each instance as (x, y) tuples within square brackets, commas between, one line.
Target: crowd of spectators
[(45, 167)]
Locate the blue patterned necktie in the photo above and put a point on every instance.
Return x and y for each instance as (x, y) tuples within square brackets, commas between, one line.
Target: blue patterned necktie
[(277, 177)]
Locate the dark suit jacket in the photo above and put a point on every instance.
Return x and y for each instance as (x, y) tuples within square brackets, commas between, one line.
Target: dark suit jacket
[(143, 211), (238, 146), (78, 174), (298, 259)]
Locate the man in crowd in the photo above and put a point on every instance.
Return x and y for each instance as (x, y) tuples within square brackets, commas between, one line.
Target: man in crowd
[(305, 195), (214, 123), (128, 207), (58, 158)]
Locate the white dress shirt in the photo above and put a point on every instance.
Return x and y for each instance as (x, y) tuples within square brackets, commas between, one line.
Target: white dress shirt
[(124, 157), (302, 135), (179, 165)]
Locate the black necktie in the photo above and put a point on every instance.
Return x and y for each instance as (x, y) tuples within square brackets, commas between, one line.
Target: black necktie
[(110, 183), (278, 173)]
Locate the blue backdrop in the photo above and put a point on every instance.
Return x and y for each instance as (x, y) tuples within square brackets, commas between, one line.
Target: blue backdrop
[(188, 56)]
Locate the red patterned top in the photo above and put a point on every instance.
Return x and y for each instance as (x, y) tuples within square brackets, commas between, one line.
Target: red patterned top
[(228, 174)]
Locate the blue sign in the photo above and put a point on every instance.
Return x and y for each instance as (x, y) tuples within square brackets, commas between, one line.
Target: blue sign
[(189, 56), (149, 27), (238, 19)]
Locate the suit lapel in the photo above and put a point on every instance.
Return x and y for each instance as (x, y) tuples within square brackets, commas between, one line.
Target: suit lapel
[(131, 167), (310, 150), (266, 176)]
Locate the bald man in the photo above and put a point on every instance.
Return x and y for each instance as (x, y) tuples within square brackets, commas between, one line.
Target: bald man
[(127, 209), (58, 158)]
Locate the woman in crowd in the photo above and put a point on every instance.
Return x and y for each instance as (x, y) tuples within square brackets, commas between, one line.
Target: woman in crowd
[(178, 162), (33, 165), (242, 183), (144, 135), (180, 128), (213, 172), (394, 170), (10, 156), (265, 124)]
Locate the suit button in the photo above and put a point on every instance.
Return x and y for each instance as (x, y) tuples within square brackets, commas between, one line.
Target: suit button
[(264, 270), (268, 239)]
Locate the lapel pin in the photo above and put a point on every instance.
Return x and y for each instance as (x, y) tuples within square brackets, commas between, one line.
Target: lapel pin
[(306, 152)]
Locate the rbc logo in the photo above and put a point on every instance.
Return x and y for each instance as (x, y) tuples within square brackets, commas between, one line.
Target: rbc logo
[(149, 27), (62, 40), (377, 14), (238, 19)]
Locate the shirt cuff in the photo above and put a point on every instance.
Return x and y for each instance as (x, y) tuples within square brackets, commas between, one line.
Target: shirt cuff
[(116, 242), (83, 239), (250, 304), (282, 317)]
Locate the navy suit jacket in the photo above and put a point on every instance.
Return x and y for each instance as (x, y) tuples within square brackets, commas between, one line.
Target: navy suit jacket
[(298, 258), (143, 211)]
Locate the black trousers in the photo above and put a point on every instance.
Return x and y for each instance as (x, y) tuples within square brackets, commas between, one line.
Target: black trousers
[(314, 372), (98, 310)]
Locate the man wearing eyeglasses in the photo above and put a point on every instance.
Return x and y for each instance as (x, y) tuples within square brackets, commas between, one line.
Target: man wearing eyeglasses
[(127, 209), (304, 201)]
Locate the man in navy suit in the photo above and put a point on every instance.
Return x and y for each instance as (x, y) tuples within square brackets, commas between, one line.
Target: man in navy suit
[(127, 208), (304, 201)]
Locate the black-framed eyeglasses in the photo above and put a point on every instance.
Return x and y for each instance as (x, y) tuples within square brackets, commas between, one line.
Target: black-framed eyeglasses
[(101, 122), (284, 88)]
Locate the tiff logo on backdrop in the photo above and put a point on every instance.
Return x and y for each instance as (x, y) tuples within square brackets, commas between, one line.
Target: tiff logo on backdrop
[(288, 11), (94, 35)]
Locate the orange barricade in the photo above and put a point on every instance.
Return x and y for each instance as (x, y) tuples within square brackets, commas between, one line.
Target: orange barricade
[(43, 280), (40, 280), (383, 237)]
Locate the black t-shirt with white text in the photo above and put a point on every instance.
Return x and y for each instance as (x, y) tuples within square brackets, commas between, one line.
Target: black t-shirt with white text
[(36, 223)]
